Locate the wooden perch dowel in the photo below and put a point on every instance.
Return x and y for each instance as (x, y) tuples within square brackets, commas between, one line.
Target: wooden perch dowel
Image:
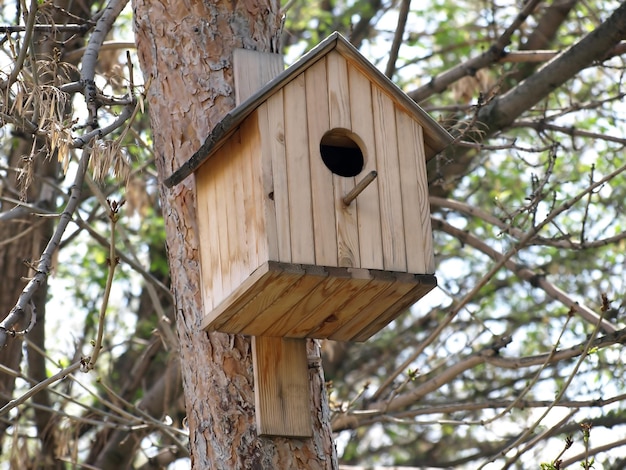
[(358, 189)]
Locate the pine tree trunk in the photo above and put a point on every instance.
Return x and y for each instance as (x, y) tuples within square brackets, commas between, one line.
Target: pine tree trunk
[(185, 50)]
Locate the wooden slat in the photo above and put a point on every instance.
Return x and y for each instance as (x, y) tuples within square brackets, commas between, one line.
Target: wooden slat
[(415, 207), (206, 232), (263, 323), (281, 383), (339, 113), (235, 212), (324, 224), (309, 311), (276, 137), (254, 199), (247, 291), (334, 312), (267, 184), (247, 319), (392, 226), (298, 173), (401, 305), (368, 205), (224, 219), (356, 294), (252, 70), (209, 233), (392, 292), (422, 177)]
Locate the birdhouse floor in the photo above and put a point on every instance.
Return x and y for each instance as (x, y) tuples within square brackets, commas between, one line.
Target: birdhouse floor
[(303, 301)]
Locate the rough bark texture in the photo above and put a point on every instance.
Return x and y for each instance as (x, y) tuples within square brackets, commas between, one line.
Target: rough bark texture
[(185, 49)]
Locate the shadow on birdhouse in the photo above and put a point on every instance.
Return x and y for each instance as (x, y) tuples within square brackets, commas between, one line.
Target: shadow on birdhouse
[(312, 200)]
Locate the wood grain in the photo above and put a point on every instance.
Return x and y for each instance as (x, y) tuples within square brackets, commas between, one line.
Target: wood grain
[(339, 114), (392, 224), (276, 126), (368, 204), (281, 382), (414, 200), (324, 223), (298, 173)]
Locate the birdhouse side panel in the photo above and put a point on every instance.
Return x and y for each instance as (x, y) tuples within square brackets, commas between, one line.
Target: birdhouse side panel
[(322, 192), (367, 204), (231, 218), (298, 172), (387, 161), (340, 118), (414, 186)]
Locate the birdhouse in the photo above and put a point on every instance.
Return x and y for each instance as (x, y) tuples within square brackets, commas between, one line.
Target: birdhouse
[(286, 249), (312, 201)]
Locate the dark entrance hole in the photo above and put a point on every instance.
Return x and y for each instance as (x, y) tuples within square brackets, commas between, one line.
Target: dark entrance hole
[(341, 154)]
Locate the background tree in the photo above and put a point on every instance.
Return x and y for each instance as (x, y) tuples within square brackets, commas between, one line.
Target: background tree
[(515, 357)]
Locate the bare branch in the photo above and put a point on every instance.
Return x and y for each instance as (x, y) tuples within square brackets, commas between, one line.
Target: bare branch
[(492, 55), (403, 14)]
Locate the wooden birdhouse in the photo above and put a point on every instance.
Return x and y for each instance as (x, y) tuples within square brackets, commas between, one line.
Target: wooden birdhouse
[(312, 200)]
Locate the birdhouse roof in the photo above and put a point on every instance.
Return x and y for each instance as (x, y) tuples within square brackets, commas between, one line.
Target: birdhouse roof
[(436, 138)]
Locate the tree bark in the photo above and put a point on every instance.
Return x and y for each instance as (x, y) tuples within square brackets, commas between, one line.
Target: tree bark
[(185, 51)]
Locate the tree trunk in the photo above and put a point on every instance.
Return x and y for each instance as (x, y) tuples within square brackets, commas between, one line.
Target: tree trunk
[(185, 50)]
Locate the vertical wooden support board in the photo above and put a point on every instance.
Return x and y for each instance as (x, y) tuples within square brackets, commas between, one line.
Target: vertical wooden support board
[(321, 178), (281, 375), (392, 225), (252, 70), (281, 378), (339, 114)]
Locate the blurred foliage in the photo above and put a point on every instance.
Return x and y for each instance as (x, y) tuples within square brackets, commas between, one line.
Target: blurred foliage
[(517, 176)]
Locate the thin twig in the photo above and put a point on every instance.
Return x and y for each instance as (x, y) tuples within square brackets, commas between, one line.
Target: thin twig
[(403, 14)]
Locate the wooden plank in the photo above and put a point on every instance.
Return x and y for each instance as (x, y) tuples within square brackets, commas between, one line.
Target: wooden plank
[(281, 386), (309, 311), (322, 191), (330, 313), (252, 200), (224, 220), (298, 173), (276, 137), (267, 184), (243, 294), (263, 323), (368, 207), (206, 232), (247, 316), (339, 113), (209, 232), (339, 310), (415, 208), (391, 292), (252, 70), (232, 197), (401, 305), (392, 226), (422, 177)]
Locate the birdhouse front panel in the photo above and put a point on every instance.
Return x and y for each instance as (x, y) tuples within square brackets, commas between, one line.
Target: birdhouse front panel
[(327, 128), (284, 251)]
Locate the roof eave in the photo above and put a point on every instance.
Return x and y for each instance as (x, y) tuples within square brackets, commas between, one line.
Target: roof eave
[(436, 137)]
